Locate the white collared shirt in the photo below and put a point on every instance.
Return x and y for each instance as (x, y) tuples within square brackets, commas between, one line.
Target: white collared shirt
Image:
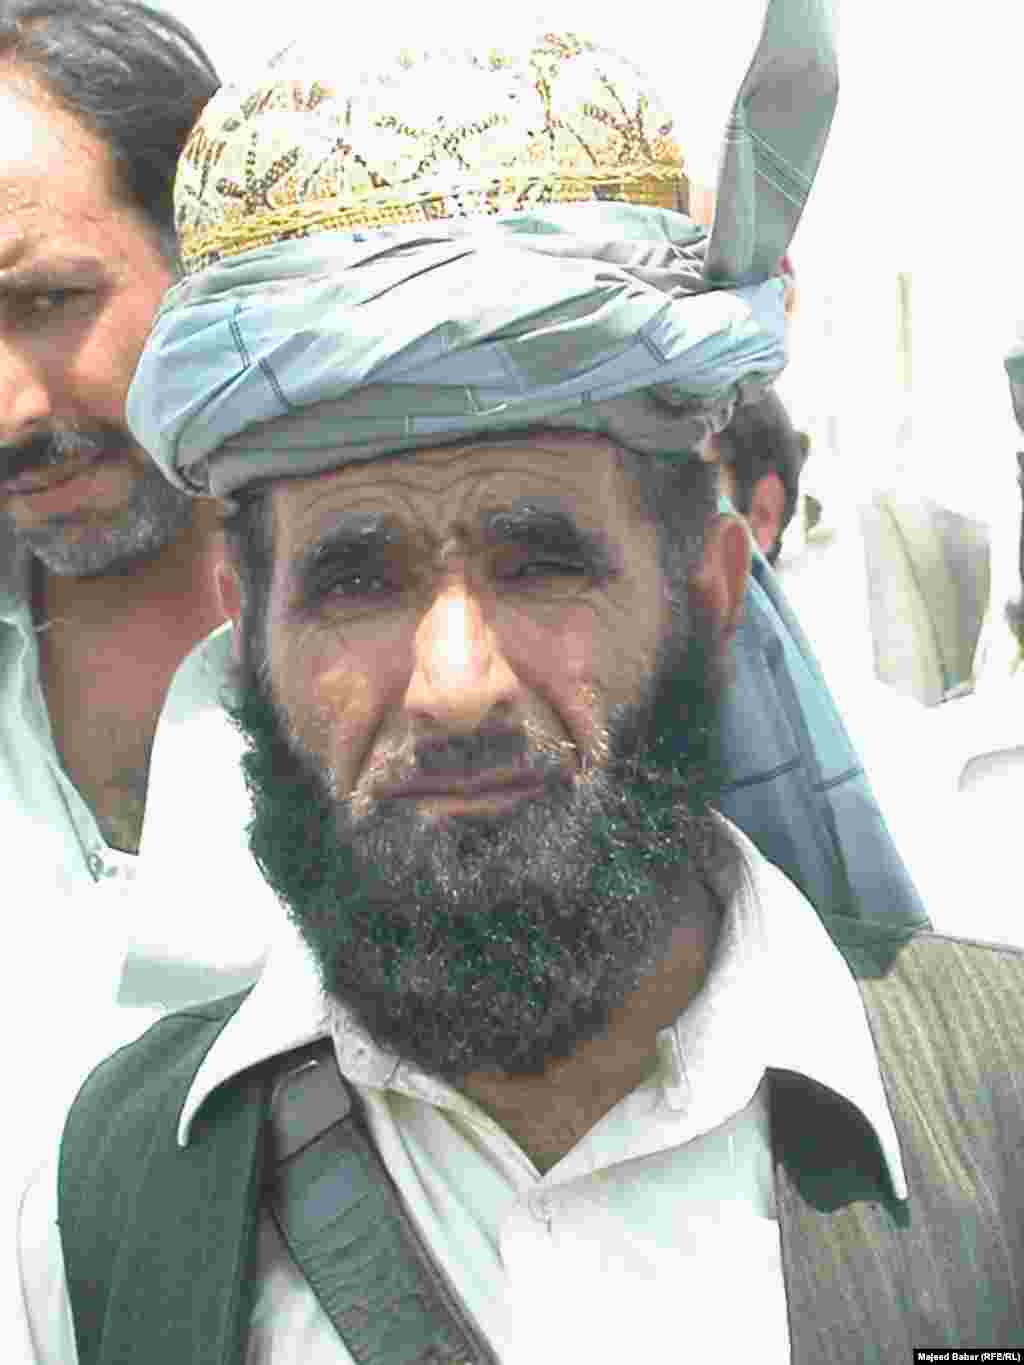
[(142, 947), (651, 1235)]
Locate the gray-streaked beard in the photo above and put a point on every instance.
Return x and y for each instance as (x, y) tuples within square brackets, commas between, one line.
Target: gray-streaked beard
[(463, 945), (80, 546), (155, 515)]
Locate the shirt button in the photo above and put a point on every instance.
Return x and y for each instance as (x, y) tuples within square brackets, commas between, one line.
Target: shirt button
[(95, 863), (542, 1206)]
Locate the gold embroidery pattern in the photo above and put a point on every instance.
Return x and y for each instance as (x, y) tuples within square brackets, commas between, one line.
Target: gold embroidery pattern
[(563, 122)]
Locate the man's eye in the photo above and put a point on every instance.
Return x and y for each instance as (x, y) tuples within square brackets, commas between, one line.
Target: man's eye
[(363, 584), (54, 299), (542, 575), (547, 568), (49, 302)]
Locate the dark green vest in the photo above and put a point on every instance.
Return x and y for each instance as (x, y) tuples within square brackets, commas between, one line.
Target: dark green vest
[(158, 1242)]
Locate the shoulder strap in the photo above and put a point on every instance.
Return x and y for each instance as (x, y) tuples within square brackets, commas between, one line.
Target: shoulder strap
[(344, 1224), (159, 1241)]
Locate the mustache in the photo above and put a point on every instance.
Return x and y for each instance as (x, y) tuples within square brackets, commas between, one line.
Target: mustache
[(470, 756), (53, 447)]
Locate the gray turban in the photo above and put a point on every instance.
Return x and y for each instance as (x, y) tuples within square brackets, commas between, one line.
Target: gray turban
[(380, 266)]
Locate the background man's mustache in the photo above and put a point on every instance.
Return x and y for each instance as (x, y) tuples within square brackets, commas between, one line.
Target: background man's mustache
[(53, 447)]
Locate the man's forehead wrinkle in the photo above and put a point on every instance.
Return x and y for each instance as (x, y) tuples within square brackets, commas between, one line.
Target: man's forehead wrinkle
[(465, 466), (17, 191), (461, 496), (538, 505), (313, 515), (14, 240), (46, 154), (36, 115)]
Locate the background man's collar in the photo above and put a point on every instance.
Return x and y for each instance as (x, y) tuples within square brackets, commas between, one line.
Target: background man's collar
[(15, 563)]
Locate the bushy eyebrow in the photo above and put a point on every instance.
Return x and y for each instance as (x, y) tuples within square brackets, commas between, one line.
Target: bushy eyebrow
[(357, 540), (545, 525), (42, 275), (354, 539)]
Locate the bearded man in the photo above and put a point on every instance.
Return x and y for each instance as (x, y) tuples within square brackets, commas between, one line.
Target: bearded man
[(558, 1064), (761, 456)]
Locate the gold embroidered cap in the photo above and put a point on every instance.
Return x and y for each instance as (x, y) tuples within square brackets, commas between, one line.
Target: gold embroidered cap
[(558, 121)]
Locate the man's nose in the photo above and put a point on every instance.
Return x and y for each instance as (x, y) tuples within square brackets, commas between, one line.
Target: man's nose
[(25, 401), (460, 678)]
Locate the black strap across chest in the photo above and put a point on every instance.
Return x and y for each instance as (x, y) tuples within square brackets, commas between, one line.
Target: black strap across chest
[(347, 1230)]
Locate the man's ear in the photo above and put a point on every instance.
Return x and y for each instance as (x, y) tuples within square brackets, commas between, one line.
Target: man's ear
[(721, 580), (229, 590), (767, 507)]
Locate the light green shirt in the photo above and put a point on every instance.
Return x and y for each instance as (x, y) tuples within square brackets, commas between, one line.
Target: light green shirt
[(42, 814), (136, 942)]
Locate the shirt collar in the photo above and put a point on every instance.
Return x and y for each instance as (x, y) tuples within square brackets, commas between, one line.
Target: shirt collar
[(15, 562), (775, 968), (284, 1010)]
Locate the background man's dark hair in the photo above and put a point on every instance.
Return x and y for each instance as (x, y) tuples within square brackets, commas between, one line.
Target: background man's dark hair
[(133, 76), (761, 439)]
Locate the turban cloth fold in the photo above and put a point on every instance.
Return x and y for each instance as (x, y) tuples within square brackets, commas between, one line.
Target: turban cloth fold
[(361, 284), (372, 347)]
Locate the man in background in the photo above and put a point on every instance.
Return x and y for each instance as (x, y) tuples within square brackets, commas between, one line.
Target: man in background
[(108, 578), (761, 456), (106, 572)]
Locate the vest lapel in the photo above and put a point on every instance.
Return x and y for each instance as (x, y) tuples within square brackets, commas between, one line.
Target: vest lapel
[(187, 1255), (869, 1277), (839, 1225)]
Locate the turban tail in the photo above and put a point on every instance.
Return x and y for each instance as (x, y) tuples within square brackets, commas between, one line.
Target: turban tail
[(794, 782), (609, 317)]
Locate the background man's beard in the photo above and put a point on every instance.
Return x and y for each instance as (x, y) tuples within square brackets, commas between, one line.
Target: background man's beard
[(464, 944), (155, 515)]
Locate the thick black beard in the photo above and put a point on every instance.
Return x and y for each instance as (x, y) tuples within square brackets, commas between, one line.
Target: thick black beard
[(464, 945)]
